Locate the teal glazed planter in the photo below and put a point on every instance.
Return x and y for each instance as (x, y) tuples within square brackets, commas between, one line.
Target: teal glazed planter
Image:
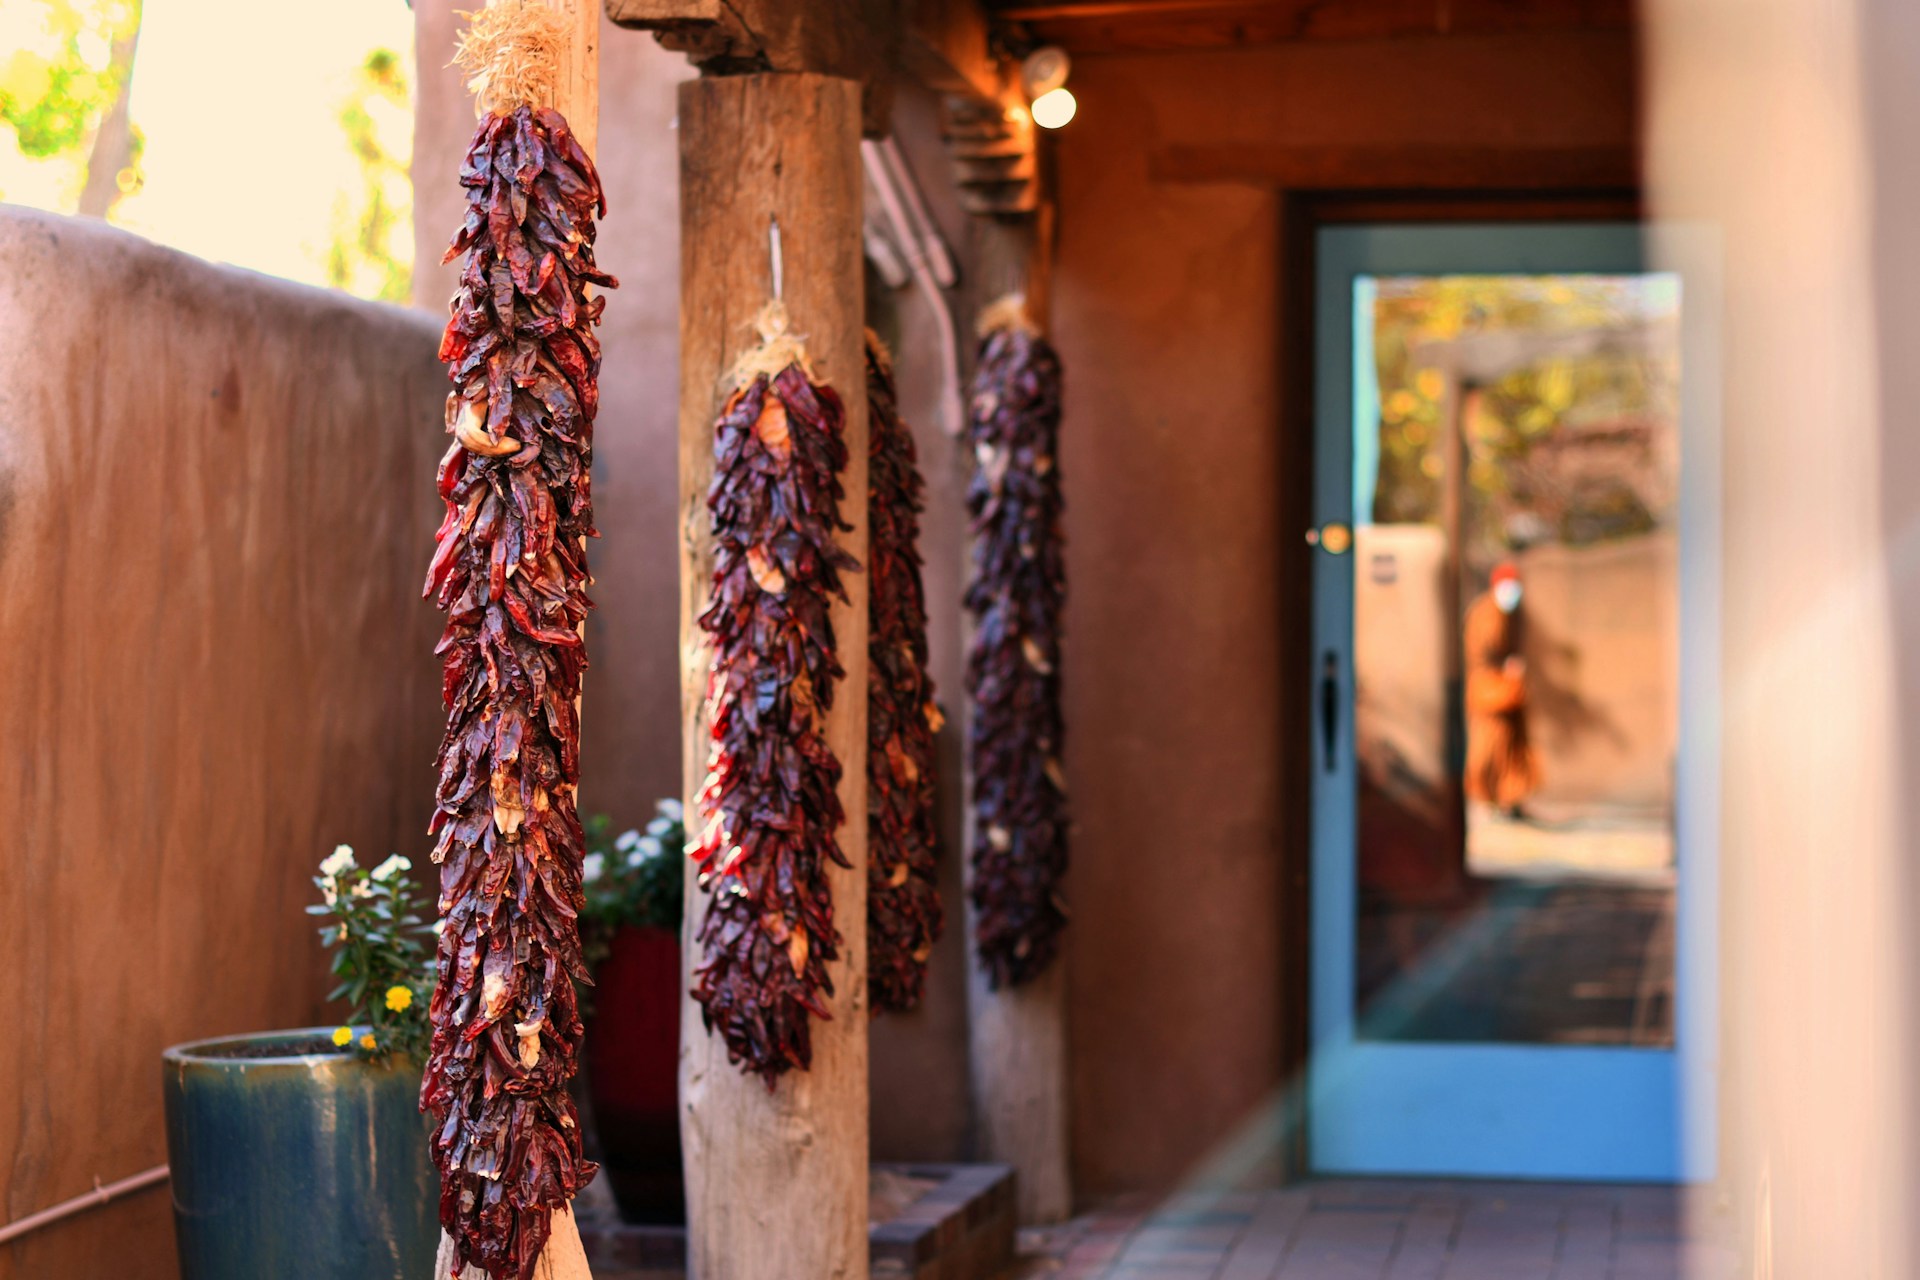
[(295, 1161)]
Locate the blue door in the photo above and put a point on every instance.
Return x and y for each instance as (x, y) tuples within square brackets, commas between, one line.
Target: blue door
[(1515, 624)]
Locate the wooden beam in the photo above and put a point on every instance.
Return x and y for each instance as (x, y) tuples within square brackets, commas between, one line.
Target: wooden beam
[(656, 14), (851, 39), (1400, 168), (995, 168), (1108, 26), (948, 48), (776, 1179), (1017, 1036)]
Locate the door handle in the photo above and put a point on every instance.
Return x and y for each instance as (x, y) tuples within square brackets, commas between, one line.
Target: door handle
[(1329, 706), (1334, 539)]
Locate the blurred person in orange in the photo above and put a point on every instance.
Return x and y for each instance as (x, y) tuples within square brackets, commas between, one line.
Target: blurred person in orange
[(1502, 768)]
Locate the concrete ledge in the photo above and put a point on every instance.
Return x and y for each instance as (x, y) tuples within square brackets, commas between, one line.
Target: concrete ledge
[(962, 1229)]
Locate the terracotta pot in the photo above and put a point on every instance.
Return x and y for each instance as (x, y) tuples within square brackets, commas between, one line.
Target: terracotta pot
[(633, 1070), (293, 1158)]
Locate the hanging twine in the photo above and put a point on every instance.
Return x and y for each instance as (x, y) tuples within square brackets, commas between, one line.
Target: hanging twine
[(512, 55), (1007, 312), (778, 348)]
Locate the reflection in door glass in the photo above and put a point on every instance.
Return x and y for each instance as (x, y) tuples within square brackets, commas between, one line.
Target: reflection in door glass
[(1516, 632)]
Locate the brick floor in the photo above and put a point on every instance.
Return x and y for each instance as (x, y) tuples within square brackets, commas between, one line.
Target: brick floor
[(1386, 1230)]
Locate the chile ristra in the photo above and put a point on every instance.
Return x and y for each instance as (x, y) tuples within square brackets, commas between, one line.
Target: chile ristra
[(1017, 597), (903, 895), (510, 570), (769, 808)]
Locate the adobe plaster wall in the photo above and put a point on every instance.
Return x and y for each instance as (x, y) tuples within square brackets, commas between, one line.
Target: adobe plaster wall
[(215, 511), (1782, 129)]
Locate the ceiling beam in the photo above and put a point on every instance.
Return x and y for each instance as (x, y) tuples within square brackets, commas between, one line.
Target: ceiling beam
[(1412, 168), (851, 39), (1106, 26), (949, 49)]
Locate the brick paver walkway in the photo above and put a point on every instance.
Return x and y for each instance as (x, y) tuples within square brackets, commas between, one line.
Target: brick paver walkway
[(1386, 1230)]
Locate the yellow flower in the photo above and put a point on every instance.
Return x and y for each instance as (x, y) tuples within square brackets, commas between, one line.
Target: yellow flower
[(399, 999), (343, 1036), (368, 1043)]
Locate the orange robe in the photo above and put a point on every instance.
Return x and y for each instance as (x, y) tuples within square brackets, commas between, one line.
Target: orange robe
[(1502, 769)]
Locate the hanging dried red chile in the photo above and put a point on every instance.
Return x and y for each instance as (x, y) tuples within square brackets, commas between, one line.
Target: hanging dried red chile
[(509, 568), (769, 807), (903, 895), (1017, 597)]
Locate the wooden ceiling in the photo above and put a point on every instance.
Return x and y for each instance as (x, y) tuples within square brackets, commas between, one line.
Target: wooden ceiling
[(1109, 26)]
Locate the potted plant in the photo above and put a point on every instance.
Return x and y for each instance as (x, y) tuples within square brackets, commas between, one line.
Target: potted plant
[(630, 930), (304, 1153)]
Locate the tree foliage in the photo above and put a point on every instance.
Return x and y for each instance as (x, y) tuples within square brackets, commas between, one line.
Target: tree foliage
[(1573, 449), (371, 253), (70, 68)]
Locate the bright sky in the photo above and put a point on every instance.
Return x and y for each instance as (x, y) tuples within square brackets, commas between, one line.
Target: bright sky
[(240, 104)]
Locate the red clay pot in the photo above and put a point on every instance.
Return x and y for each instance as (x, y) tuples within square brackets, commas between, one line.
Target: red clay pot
[(633, 1066)]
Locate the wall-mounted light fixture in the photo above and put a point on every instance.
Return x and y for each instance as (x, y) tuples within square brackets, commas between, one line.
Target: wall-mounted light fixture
[(1044, 76)]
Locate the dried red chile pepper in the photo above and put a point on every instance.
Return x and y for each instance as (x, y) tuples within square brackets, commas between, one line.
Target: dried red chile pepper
[(769, 806), (1017, 598), (509, 568), (903, 895)]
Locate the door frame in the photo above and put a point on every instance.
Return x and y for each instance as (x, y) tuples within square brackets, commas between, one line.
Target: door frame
[(1588, 1095), (1484, 197)]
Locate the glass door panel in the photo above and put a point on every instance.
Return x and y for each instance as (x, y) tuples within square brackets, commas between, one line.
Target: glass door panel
[(1498, 888)]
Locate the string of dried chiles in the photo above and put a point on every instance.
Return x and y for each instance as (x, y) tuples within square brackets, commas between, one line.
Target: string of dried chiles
[(1013, 671), (769, 806), (510, 571), (903, 895)]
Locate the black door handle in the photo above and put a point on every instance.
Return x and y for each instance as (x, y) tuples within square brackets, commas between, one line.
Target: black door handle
[(1329, 706)]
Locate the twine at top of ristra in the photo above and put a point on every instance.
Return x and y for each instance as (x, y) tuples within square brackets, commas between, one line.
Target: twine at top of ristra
[(512, 55), (1006, 312), (778, 348)]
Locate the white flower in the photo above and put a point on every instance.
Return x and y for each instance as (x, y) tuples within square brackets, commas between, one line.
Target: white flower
[(361, 889), (659, 827), (592, 867), (439, 927), (327, 892), (391, 865), (626, 840), (341, 859), (672, 810), (636, 858), (651, 846)]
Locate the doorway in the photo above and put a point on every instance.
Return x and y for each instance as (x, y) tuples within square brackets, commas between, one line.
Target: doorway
[(1513, 783)]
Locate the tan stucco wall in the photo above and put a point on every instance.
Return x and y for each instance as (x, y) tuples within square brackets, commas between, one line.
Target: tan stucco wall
[(1785, 128), (215, 510)]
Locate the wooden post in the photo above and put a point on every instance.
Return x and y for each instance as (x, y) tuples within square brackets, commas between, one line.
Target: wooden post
[(1458, 405), (776, 1180), (576, 95), (1017, 1037)]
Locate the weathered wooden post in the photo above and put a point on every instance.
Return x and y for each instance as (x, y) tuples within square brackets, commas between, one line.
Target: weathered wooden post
[(776, 1178), (1017, 1035)]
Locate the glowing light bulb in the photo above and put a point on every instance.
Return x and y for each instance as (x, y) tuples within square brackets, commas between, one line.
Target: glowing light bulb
[(1054, 108)]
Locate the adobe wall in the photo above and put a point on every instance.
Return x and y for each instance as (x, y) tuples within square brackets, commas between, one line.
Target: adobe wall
[(215, 515)]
